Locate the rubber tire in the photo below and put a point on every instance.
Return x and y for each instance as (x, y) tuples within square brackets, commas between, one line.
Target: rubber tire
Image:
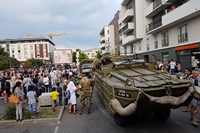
[(163, 114), (120, 120)]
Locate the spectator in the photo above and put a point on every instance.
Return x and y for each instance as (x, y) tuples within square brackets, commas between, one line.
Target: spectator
[(32, 98), (17, 90), (59, 89), (178, 66), (26, 83), (54, 96), (46, 83), (65, 91), (172, 66), (5, 96)]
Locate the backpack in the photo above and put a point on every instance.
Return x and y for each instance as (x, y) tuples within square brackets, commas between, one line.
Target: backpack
[(68, 96)]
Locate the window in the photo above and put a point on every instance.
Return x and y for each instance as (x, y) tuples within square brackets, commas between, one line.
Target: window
[(108, 31), (88, 53), (13, 56), (148, 44), (134, 49), (139, 48), (183, 34), (13, 51), (156, 42), (165, 39), (31, 47), (18, 46), (18, 51), (131, 49)]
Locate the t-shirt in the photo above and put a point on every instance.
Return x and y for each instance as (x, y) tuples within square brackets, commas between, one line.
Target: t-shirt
[(31, 95), (46, 81), (36, 90), (172, 65), (54, 95), (26, 81)]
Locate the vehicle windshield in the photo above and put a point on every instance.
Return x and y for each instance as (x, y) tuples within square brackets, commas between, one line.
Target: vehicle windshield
[(87, 66)]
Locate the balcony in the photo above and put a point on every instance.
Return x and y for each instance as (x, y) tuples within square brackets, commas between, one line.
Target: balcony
[(127, 28), (180, 14), (165, 42), (182, 38), (102, 40), (102, 47), (120, 42), (126, 16), (128, 39), (156, 7), (155, 24), (125, 2)]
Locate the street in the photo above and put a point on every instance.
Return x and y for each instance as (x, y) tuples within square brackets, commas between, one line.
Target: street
[(101, 121)]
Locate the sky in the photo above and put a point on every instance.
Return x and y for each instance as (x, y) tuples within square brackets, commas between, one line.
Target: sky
[(80, 20)]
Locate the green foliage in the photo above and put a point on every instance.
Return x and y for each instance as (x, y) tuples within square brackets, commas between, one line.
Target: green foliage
[(98, 54), (82, 56), (2, 52), (44, 113), (6, 62), (74, 56), (78, 50), (11, 112), (36, 62)]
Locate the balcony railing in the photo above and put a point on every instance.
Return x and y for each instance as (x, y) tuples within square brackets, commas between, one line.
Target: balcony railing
[(156, 3), (182, 38), (165, 42), (155, 24), (123, 29)]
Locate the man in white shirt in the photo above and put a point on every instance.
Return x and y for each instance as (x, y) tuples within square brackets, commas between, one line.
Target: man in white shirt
[(172, 65)]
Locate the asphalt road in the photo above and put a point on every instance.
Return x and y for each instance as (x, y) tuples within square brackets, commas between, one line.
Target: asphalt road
[(100, 121)]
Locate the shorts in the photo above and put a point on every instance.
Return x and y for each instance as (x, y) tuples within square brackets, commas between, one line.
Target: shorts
[(194, 102), (55, 101), (32, 107)]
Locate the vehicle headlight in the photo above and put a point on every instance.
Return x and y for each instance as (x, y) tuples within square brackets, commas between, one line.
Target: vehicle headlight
[(129, 81)]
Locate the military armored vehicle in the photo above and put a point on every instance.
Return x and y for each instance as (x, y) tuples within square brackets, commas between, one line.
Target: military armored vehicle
[(85, 67), (133, 87)]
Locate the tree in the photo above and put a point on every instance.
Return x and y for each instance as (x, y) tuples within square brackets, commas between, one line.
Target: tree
[(36, 62), (27, 64), (2, 52), (7, 62), (82, 56), (74, 57), (78, 50), (98, 54)]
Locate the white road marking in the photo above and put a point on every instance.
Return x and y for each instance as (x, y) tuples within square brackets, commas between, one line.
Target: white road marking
[(56, 130)]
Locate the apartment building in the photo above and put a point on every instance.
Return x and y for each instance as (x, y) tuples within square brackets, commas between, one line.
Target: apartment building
[(172, 31), (25, 48), (107, 40), (114, 22), (109, 37), (91, 53), (161, 29), (131, 26)]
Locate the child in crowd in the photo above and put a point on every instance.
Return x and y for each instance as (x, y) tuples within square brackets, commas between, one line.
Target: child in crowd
[(5, 96), (54, 96), (59, 89), (32, 98)]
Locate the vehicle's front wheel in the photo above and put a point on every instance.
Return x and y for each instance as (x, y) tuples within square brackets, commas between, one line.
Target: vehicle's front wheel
[(120, 120), (162, 114)]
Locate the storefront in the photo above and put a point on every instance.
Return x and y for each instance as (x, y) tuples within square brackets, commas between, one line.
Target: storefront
[(162, 55), (188, 55)]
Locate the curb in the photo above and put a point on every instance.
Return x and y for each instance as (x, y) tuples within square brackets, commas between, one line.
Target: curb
[(44, 120)]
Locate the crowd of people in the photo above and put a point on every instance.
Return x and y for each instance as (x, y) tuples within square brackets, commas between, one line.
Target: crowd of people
[(29, 85), (170, 67)]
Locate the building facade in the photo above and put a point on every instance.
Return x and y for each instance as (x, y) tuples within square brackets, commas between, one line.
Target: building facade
[(26, 48), (107, 40), (114, 22), (161, 29), (131, 26)]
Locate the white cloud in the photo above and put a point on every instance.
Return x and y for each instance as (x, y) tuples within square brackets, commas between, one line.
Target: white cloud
[(80, 20)]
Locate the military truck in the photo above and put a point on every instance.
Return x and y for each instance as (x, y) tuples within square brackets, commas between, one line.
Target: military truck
[(134, 87)]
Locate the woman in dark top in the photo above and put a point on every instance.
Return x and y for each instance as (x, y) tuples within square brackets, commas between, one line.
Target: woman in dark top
[(7, 85)]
